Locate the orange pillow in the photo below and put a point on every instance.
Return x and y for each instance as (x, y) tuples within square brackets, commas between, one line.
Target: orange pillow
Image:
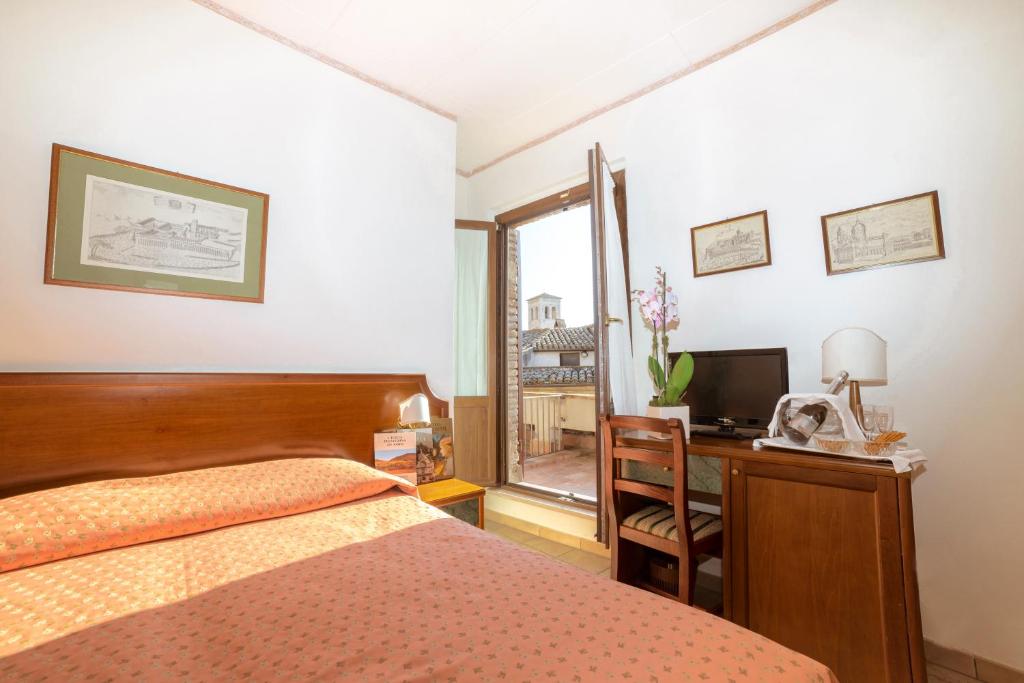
[(54, 524)]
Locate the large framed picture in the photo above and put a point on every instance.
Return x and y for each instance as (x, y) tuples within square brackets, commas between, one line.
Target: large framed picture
[(733, 244), (905, 230), (114, 224)]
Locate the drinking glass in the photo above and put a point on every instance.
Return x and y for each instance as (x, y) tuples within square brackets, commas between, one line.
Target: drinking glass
[(884, 418), (870, 421)]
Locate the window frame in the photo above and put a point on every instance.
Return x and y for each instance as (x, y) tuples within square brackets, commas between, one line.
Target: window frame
[(573, 197)]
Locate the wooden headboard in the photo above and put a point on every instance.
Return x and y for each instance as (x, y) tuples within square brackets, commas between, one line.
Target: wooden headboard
[(63, 428)]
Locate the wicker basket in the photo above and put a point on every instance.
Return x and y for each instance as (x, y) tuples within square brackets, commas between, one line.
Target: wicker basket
[(663, 572)]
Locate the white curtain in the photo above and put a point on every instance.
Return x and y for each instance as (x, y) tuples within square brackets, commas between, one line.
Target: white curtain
[(621, 380), (470, 312)]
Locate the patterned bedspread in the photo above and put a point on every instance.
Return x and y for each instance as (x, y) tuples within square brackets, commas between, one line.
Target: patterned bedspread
[(380, 587)]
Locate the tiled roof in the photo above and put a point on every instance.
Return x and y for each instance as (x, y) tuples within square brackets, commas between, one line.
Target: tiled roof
[(581, 375), (528, 337), (559, 339)]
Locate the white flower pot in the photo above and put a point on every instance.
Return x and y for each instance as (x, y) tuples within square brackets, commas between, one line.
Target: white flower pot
[(665, 412)]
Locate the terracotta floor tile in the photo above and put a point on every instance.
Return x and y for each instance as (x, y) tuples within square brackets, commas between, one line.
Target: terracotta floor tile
[(568, 470)]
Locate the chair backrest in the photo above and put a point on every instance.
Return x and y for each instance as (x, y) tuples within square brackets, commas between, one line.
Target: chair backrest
[(624, 495)]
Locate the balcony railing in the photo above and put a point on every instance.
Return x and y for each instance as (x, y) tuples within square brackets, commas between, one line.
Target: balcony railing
[(545, 415), (542, 424)]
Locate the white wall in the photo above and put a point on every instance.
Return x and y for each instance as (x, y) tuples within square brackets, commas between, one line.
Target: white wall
[(362, 198), (864, 101), (548, 359)]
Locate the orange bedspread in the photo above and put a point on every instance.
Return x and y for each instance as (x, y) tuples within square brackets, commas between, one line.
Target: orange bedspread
[(379, 588)]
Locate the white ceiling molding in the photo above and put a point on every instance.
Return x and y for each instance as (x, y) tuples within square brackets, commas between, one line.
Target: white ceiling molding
[(516, 73)]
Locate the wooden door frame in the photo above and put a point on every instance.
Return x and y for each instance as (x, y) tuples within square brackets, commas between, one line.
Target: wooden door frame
[(492, 339), (570, 198), (599, 230)]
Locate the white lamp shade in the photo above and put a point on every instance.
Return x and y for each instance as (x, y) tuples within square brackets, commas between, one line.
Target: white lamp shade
[(859, 351), (414, 410)]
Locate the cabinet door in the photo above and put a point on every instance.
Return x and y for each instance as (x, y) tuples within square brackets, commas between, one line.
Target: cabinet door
[(816, 566)]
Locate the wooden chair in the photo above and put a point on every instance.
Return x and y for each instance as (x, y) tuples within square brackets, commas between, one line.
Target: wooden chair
[(646, 515)]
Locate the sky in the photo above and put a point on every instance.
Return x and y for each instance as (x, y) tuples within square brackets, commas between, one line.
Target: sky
[(555, 257)]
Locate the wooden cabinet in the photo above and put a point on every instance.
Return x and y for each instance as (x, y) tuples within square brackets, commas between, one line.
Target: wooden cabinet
[(822, 562), (818, 554)]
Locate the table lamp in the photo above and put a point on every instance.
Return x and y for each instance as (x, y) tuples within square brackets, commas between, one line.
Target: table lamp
[(862, 354), (414, 412)]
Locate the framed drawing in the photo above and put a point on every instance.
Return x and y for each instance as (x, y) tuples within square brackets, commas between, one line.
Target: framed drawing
[(733, 244), (114, 224), (906, 230)]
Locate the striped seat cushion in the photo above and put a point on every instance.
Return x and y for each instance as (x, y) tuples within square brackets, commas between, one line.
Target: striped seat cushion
[(660, 520)]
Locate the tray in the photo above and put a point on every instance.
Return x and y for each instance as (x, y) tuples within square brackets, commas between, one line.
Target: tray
[(902, 460)]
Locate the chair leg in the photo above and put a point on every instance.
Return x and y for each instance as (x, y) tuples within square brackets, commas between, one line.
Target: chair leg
[(628, 560), (692, 581), (687, 580), (613, 542)]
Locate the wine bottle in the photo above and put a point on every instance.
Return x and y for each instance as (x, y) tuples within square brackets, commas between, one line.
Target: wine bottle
[(811, 416)]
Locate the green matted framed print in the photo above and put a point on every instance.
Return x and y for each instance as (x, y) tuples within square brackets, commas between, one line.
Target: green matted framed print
[(114, 224)]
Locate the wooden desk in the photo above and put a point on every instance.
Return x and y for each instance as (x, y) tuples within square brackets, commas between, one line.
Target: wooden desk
[(819, 556)]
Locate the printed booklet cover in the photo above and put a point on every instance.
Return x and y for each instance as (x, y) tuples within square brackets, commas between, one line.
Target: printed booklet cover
[(442, 449), (420, 455), (394, 452)]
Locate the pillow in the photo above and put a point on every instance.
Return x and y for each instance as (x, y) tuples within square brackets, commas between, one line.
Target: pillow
[(64, 522)]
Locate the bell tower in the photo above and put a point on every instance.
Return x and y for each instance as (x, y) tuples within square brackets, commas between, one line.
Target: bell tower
[(544, 312)]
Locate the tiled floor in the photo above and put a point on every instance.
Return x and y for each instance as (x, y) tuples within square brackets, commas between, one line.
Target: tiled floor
[(567, 470), (595, 564)]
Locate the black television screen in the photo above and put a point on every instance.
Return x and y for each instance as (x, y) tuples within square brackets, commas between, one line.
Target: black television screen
[(740, 386)]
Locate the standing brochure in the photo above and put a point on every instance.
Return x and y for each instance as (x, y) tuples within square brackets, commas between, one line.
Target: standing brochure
[(442, 450), (420, 455), (395, 452)]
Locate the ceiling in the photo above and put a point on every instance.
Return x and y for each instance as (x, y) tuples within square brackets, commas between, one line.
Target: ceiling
[(514, 72)]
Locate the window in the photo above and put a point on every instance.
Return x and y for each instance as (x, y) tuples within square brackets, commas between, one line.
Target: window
[(569, 359)]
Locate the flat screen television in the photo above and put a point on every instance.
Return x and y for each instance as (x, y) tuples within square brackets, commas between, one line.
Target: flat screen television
[(736, 389)]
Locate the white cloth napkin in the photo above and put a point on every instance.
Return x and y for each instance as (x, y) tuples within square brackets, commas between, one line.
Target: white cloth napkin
[(851, 430), (902, 461)]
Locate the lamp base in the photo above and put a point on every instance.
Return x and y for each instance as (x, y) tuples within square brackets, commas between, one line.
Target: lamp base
[(855, 405)]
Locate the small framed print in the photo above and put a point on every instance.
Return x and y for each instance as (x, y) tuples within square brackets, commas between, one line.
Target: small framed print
[(114, 224), (892, 233), (733, 244)]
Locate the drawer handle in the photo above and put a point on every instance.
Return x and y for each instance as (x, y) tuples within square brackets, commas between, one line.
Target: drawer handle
[(735, 472)]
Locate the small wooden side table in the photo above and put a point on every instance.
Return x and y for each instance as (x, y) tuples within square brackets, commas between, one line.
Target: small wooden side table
[(456, 497)]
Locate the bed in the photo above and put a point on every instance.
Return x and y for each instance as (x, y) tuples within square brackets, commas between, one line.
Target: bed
[(227, 527)]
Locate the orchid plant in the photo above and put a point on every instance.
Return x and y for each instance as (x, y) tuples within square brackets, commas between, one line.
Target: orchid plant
[(659, 308)]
